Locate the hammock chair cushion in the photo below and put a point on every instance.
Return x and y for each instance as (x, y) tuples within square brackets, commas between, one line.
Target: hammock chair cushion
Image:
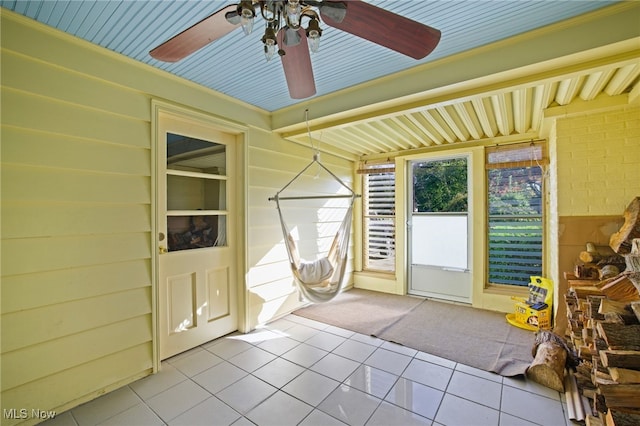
[(315, 271)]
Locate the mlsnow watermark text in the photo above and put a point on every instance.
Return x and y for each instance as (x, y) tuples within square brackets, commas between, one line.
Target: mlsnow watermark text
[(24, 413)]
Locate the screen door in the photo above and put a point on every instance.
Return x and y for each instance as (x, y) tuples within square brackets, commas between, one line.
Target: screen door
[(438, 228)]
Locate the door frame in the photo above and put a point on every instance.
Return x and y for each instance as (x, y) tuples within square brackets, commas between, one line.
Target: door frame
[(440, 270), (241, 133)]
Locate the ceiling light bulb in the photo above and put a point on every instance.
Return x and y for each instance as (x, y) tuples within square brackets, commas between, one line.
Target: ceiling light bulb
[(269, 40), (293, 14), (313, 35), (314, 41), (246, 16), (269, 49)]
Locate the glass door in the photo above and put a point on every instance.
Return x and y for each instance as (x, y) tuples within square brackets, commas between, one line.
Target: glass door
[(438, 229)]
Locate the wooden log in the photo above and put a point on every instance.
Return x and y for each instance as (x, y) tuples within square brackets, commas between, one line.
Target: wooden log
[(586, 271), (634, 277), (547, 368), (599, 403), (622, 241), (613, 306), (632, 262), (599, 378), (591, 420), (635, 307), (621, 289), (600, 344), (583, 291), (624, 375), (583, 375), (586, 351), (590, 256), (626, 318), (608, 271), (621, 418), (612, 259), (621, 396), (620, 358), (617, 336)]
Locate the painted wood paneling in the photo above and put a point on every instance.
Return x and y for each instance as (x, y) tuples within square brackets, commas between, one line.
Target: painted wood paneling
[(75, 218), (34, 183), (67, 388), (29, 291), (69, 318), (51, 115), (57, 151), (26, 74), (29, 255), (24, 366), (76, 228)]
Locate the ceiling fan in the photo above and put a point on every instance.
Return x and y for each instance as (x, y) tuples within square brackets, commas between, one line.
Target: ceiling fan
[(285, 35)]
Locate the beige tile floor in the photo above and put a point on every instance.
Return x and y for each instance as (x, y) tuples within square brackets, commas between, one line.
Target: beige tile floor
[(297, 371)]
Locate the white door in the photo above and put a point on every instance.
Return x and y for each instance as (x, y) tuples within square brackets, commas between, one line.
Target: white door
[(197, 234), (438, 229)]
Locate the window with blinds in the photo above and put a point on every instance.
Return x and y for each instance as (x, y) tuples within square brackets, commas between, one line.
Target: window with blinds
[(515, 212), (378, 206)]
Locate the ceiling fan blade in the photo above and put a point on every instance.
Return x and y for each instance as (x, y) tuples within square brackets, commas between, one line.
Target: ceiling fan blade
[(197, 36), (296, 62), (382, 27)]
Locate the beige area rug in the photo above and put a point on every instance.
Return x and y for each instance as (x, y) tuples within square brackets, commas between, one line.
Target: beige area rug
[(475, 337)]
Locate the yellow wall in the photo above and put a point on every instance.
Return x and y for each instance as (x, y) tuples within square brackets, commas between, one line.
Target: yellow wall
[(598, 162), (76, 222), (77, 214), (77, 209), (272, 164), (597, 159)]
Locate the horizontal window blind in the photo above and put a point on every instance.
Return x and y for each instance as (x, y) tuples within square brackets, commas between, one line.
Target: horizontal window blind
[(379, 217), (515, 222)]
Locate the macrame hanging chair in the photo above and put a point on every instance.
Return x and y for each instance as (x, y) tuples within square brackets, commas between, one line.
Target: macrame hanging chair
[(322, 279)]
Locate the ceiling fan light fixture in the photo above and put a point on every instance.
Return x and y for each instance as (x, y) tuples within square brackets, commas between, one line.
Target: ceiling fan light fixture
[(269, 40), (285, 33), (247, 15), (313, 34)]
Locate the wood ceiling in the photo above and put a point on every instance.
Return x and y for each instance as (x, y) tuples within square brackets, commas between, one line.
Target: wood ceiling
[(501, 93), (516, 113)]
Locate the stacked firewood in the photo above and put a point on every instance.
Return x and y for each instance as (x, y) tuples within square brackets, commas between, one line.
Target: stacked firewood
[(604, 329), (606, 336)]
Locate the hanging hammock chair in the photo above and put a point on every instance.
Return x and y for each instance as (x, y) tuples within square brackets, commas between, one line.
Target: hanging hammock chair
[(322, 279)]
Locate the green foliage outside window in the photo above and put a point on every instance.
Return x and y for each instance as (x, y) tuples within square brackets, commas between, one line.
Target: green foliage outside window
[(515, 191), (440, 186)]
